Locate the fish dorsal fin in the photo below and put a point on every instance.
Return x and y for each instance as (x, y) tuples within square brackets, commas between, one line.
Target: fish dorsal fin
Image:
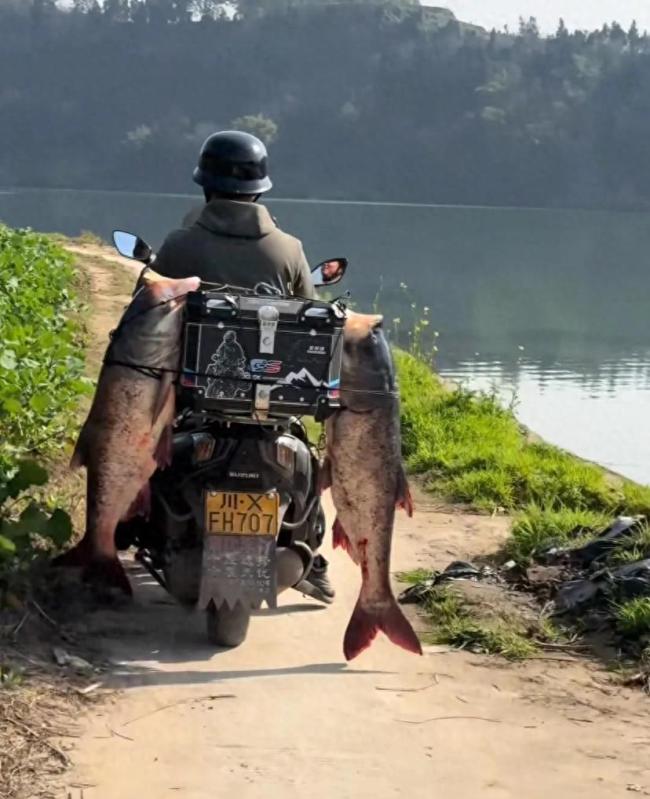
[(80, 456), (404, 497), (166, 288), (149, 276)]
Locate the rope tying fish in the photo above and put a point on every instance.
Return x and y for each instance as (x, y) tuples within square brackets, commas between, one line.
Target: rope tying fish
[(156, 373)]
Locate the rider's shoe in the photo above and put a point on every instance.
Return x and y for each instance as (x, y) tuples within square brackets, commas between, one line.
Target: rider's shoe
[(316, 582)]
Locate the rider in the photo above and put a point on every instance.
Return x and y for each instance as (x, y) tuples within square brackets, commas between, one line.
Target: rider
[(234, 240)]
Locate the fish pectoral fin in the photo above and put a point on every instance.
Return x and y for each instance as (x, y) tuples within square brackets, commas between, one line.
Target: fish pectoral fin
[(359, 326), (80, 455), (342, 539), (163, 452), (367, 620), (148, 276), (404, 497), (141, 505), (78, 458), (165, 390)]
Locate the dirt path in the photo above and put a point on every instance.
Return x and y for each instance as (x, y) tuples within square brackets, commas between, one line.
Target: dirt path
[(284, 716), (111, 282)]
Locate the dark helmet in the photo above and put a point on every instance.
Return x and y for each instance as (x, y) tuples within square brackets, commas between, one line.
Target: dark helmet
[(233, 162)]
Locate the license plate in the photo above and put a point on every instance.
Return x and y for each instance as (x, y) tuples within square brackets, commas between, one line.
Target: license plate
[(240, 513)]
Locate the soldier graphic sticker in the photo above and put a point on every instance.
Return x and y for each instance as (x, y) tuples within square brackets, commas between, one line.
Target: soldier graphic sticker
[(226, 370)]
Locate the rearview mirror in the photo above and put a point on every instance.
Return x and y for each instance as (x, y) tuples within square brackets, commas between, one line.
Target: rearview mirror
[(131, 246), (329, 272)]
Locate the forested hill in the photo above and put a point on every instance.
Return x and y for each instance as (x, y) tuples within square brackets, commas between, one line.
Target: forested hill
[(364, 100)]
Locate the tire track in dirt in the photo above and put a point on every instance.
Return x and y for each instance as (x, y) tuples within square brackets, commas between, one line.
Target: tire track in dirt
[(111, 282)]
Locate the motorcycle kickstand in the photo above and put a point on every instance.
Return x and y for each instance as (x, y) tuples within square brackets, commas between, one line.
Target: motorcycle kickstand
[(143, 557)]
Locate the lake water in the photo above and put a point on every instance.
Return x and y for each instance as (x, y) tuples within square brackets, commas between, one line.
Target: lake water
[(547, 307)]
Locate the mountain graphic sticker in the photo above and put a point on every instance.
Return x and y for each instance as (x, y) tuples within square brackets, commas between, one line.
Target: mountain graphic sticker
[(303, 377)]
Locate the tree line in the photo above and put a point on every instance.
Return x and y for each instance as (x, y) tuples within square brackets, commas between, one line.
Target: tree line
[(363, 100)]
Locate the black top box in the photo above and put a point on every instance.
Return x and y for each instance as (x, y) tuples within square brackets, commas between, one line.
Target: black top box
[(261, 357)]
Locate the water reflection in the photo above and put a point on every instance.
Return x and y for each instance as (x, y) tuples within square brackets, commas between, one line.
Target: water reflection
[(602, 380), (599, 415)]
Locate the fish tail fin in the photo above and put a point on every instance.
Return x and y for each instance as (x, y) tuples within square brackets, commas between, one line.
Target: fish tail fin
[(341, 540), (368, 620), (404, 496), (107, 572), (77, 557)]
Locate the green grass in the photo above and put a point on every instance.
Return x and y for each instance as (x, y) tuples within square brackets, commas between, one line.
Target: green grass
[(548, 632), (414, 577), (313, 428), (479, 628), (632, 548), (633, 617), (537, 528), (494, 638), (472, 450), (456, 623), (10, 678)]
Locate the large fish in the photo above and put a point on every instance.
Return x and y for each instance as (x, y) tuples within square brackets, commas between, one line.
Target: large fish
[(365, 471), (127, 434)]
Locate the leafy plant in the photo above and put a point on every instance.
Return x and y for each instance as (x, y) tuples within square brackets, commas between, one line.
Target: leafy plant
[(28, 529), (41, 337), (41, 380)]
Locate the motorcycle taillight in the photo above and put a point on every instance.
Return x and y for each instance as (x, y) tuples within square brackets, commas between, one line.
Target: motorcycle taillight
[(285, 453)]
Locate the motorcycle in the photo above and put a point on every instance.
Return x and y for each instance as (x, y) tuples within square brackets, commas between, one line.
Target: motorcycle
[(236, 517)]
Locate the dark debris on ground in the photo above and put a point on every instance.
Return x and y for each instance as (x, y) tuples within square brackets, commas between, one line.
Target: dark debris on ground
[(581, 587)]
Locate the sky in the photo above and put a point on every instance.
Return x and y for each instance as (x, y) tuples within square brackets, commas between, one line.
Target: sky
[(583, 14)]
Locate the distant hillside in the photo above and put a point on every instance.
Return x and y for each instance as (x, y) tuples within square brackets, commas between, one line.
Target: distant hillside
[(365, 99)]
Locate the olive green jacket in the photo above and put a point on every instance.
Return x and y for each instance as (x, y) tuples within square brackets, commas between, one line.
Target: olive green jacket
[(238, 244)]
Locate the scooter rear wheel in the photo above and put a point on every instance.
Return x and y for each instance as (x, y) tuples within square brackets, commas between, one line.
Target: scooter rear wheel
[(227, 626), (182, 572)]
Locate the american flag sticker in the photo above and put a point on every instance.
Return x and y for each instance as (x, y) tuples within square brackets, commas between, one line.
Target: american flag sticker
[(261, 366), (334, 389)]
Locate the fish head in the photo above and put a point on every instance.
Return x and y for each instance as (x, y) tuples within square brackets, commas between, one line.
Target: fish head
[(149, 332), (367, 373)]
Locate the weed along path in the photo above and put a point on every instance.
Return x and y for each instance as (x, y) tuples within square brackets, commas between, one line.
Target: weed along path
[(285, 716)]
